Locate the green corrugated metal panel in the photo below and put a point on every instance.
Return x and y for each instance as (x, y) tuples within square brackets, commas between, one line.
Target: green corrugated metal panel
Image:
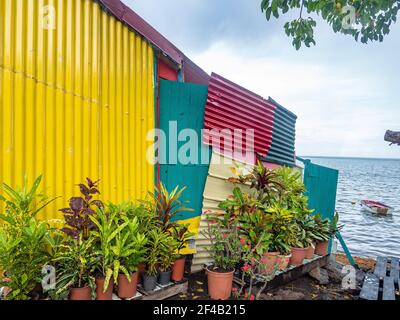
[(321, 185), (282, 149), (184, 103)]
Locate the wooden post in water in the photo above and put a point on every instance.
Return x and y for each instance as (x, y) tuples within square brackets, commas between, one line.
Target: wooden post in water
[(393, 137)]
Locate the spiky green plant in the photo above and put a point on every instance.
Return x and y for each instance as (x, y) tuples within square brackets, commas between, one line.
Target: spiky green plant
[(75, 264), (108, 228), (168, 205), (26, 243), (128, 249)]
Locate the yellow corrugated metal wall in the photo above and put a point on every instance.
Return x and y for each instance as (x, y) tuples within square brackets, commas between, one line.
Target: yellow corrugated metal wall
[(76, 100)]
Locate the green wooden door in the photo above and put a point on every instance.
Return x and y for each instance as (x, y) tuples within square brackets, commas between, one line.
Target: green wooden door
[(321, 185), (182, 106)]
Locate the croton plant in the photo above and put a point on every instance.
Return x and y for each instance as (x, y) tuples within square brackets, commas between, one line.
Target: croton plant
[(77, 215)]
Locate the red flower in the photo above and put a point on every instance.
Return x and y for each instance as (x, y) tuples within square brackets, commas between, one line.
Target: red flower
[(243, 241), (245, 268), (225, 236), (234, 290), (252, 297)]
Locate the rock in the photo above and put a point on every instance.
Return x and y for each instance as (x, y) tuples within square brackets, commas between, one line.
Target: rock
[(283, 294), (360, 276), (320, 274), (335, 271)]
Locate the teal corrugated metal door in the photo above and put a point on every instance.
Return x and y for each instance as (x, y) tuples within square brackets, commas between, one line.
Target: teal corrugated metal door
[(182, 105), (321, 185)]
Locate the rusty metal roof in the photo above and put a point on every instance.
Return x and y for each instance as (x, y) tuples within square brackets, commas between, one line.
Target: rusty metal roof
[(230, 106)]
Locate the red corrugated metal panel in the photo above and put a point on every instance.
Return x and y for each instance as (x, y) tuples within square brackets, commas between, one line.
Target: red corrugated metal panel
[(230, 106)]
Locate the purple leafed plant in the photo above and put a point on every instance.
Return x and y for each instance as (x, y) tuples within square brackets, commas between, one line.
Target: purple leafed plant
[(77, 216)]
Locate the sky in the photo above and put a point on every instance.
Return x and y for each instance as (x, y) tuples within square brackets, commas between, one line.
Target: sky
[(345, 94)]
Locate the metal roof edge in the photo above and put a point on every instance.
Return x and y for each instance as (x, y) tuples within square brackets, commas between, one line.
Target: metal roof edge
[(126, 15), (271, 100)]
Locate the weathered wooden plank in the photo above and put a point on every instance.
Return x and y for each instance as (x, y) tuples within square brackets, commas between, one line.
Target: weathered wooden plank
[(293, 273), (389, 292), (168, 292), (395, 269), (381, 268), (370, 289)]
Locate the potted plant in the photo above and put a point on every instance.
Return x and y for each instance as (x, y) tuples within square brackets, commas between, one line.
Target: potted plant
[(75, 264), (300, 247), (255, 227), (254, 266), (309, 226), (181, 236), (129, 250), (26, 243), (283, 243), (167, 257), (324, 231), (157, 246), (145, 213), (282, 228), (226, 251), (168, 208), (108, 227)]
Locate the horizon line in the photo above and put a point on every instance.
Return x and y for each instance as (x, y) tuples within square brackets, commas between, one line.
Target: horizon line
[(351, 157)]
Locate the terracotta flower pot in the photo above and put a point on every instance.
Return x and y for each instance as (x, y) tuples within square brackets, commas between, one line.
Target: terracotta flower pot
[(178, 270), (100, 294), (321, 248), (220, 284), (283, 262), (310, 252), (80, 294), (127, 289), (298, 256), (270, 261)]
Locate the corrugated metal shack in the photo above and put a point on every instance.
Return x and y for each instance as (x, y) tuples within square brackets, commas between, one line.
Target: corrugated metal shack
[(79, 95)]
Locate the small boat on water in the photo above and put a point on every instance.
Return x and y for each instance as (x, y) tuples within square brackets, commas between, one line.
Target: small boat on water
[(376, 207)]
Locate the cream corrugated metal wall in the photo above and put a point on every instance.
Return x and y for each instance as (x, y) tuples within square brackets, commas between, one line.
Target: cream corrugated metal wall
[(216, 190), (76, 100)]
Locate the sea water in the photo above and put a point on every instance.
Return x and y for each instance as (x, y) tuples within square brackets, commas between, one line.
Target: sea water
[(367, 234)]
